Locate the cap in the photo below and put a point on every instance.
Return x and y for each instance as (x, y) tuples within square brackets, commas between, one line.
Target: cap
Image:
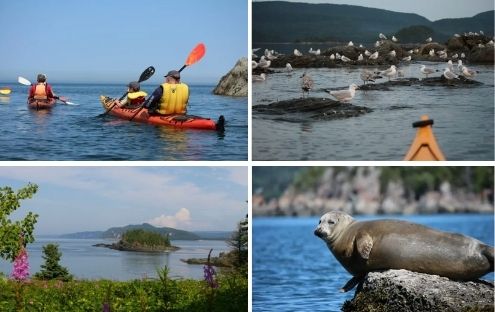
[(173, 73), (134, 85), (41, 78)]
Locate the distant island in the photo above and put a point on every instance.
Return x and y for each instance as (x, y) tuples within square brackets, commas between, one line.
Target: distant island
[(141, 241), (173, 234)]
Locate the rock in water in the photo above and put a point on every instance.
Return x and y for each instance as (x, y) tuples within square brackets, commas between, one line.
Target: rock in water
[(235, 83), (406, 291)]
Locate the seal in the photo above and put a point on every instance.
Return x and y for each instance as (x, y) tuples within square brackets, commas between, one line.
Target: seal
[(366, 246)]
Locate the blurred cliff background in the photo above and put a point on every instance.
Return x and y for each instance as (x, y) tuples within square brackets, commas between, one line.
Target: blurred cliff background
[(312, 191)]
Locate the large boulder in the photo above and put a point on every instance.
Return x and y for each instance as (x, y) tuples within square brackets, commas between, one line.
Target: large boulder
[(405, 291), (235, 83)]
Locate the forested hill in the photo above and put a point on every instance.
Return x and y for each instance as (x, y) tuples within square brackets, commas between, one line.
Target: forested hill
[(279, 22)]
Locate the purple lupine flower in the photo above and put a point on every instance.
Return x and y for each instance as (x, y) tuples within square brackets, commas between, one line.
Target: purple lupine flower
[(106, 307), (209, 274), (21, 266)]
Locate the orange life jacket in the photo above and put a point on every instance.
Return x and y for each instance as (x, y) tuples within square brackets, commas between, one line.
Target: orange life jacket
[(40, 92)]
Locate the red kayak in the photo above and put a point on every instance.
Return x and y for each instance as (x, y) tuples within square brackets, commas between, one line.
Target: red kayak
[(41, 104), (176, 120)]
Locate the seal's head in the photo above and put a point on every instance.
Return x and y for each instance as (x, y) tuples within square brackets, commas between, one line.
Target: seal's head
[(332, 224)]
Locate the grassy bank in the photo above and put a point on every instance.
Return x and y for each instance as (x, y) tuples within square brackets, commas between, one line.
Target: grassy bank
[(136, 295)]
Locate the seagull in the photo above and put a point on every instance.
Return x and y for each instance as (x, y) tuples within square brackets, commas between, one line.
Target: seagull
[(361, 46), (392, 53), (416, 51), (263, 63), (337, 56), (482, 33), (426, 71), (429, 39), (332, 57), (432, 52), (350, 44), (297, 53), (463, 55), (394, 39), (457, 35), (377, 44), (490, 43), (410, 52), (345, 95), (382, 36), (374, 56), (459, 65), (288, 67), (367, 53), (255, 50), (360, 57), (468, 73), (450, 65), (407, 58), (345, 59), (481, 45), (449, 75), (455, 56), (306, 84), (367, 75), (390, 72), (254, 64), (259, 78)]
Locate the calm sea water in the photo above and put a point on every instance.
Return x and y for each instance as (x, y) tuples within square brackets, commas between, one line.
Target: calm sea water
[(293, 270), (88, 262), (464, 118), (80, 133)]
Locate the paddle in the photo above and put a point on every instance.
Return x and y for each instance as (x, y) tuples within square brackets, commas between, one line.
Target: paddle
[(145, 75), (26, 82), (194, 56)]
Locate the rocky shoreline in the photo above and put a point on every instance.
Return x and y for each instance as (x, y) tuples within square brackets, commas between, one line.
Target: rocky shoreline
[(478, 49), (405, 291), (304, 109), (137, 248), (235, 82)]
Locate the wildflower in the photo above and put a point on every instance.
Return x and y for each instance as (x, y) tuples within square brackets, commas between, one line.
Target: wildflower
[(21, 266), (209, 274), (106, 307)]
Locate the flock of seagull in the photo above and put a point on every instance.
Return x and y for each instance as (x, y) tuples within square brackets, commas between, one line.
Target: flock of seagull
[(450, 72)]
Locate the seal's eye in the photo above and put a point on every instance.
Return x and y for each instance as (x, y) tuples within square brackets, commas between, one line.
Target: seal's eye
[(319, 222), (331, 222)]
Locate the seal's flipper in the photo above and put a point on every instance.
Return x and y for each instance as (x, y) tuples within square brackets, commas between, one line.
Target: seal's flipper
[(364, 243), (352, 283)]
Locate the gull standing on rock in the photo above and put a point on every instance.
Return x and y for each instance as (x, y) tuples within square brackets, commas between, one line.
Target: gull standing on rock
[(263, 63), (392, 53), (374, 56), (426, 70), (407, 58), (332, 57), (367, 53), (429, 40), (432, 52), (468, 73), (306, 84), (382, 36), (394, 39), (350, 44), (463, 55), (367, 75), (345, 95), (390, 72), (288, 67), (345, 59), (449, 75), (459, 65), (360, 57), (297, 52)]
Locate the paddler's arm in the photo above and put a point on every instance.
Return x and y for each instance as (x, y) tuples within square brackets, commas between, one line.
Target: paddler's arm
[(154, 99)]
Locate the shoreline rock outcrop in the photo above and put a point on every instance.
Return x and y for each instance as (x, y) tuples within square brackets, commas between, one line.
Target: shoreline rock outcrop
[(406, 291), (121, 246), (235, 82)]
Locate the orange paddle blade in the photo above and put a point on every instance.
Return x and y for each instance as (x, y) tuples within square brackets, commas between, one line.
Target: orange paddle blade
[(196, 54)]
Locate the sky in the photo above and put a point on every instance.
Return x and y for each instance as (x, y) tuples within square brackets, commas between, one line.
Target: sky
[(75, 199), (431, 9), (115, 40)]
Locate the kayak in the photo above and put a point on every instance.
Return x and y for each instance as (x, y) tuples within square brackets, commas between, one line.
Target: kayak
[(175, 120), (5, 91), (41, 104), (424, 145)]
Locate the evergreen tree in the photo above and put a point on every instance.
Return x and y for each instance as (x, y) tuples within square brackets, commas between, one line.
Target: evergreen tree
[(239, 242), (52, 269)]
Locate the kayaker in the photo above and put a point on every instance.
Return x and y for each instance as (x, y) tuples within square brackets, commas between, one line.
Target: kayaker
[(41, 90), (134, 97), (171, 97)]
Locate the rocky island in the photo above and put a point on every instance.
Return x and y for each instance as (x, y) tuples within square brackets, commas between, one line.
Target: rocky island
[(141, 241)]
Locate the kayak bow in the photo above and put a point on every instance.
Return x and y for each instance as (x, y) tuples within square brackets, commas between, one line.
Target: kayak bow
[(424, 146)]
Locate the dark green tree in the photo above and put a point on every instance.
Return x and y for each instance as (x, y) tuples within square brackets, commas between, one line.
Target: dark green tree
[(15, 235), (239, 244), (52, 269)]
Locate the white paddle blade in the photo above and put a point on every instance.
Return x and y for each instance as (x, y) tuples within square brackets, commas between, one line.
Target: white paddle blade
[(23, 81), (71, 103)]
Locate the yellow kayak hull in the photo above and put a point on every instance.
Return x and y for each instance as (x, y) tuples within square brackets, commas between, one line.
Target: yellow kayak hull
[(424, 146), (5, 91)]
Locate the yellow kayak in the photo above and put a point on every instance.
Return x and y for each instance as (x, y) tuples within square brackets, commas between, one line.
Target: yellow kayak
[(424, 146), (5, 91)]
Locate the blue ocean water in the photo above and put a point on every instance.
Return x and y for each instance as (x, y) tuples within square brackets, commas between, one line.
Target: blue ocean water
[(88, 262), (81, 133), (293, 270)]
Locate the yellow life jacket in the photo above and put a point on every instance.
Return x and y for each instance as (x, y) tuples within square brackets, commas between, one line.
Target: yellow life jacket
[(135, 95), (40, 92), (174, 99)]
